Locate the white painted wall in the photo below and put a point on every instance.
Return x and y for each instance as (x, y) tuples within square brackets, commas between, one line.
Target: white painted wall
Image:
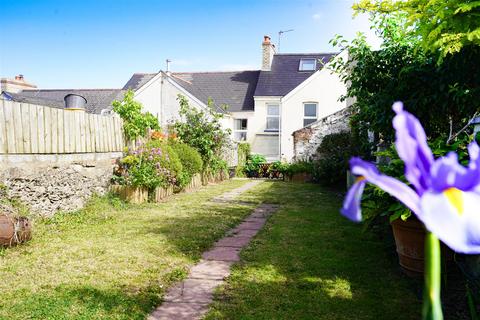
[(159, 97), (325, 88)]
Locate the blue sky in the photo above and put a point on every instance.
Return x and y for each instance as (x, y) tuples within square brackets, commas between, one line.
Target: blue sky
[(101, 43)]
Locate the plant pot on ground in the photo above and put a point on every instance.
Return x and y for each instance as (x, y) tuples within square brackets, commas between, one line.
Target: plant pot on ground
[(410, 243), (14, 230)]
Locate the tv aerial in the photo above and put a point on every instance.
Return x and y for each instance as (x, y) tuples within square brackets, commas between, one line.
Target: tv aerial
[(280, 33)]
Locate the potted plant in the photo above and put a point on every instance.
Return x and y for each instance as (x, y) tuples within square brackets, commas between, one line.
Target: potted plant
[(253, 165)]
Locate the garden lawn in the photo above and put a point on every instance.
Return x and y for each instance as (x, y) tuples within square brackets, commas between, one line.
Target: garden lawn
[(111, 260), (311, 263)]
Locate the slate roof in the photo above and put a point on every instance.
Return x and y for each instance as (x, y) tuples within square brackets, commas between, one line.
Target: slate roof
[(232, 88), (97, 99), (138, 80), (284, 75)]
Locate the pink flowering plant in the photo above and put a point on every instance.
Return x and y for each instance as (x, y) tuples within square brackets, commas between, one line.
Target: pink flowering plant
[(441, 192), (149, 165)]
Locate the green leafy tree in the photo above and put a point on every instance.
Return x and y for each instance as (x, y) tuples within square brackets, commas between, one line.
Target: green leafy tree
[(444, 96), (202, 130), (135, 123), (442, 25)]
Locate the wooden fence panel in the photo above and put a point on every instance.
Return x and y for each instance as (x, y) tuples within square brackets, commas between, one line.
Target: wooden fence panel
[(33, 129), (3, 131)]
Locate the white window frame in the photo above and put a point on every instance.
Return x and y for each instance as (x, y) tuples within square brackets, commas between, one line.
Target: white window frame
[(300, 65), (235, 130), (314, 118), (272, 116)]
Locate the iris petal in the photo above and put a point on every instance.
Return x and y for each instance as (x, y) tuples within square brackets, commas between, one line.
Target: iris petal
[(390, 185), (446, 173), (351, 205), (458, 231), (412, 148)]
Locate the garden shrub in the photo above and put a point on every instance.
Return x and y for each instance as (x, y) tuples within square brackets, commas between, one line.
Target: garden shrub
[(191, 161), (333, 155), (135, 123), (152, 165), (202, 130), (243, 153), (253, 164), (299, 167)]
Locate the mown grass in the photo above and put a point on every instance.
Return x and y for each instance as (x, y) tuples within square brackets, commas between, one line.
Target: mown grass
[(111, 260), (311, 263)]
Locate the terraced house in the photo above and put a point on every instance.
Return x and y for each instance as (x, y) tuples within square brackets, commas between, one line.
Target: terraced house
[(263, 107)]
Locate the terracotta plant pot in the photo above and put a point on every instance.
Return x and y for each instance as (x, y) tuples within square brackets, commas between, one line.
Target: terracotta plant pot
[(131, 194), (14, 230), (410, 242)]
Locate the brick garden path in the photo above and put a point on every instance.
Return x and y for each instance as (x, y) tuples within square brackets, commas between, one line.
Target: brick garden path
[(190, 298)]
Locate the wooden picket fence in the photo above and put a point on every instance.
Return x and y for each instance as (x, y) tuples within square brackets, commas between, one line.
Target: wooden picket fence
[(34, 129)]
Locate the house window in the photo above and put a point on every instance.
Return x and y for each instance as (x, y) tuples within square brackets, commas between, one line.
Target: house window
[(240, 130), (273, 117), (309, 113), (307, 65)]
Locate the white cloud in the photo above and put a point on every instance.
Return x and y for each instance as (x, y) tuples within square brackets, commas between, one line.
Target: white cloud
[(317, 16)]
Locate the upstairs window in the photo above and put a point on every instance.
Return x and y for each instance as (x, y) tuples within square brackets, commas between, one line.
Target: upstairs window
[(307, 65), (273, 117), (240, 130), (309, 113)]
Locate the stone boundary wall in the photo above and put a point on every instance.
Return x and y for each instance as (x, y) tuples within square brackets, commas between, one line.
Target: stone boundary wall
[(48, 183), (307, 140)]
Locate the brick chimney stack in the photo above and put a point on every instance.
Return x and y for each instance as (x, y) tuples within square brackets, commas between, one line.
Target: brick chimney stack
[(268, 50)]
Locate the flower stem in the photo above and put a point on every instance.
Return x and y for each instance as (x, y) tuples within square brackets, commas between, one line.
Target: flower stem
[(432, 305)]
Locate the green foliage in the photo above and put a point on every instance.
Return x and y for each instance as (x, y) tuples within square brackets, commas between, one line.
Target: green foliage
[(243, 153), (334, 154), (151, 165), (135, 123), (443, 96), (243, 150), (253, 164), (279, 166), (202, 130), (191, 161), (442, 25), (299, 167)]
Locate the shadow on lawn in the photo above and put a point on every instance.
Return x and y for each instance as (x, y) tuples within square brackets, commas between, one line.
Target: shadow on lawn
[(86, 302)]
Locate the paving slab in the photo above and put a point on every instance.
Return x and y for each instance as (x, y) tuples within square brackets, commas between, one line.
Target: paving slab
[(248, 225), (193, 291), (179, 311), (211, 269), (234, 241), (222, 254)]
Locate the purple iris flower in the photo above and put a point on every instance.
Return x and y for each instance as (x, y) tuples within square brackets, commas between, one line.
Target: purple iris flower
[(445, 195)]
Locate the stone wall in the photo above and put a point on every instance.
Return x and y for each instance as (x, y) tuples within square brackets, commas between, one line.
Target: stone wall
[(51, 183), (307, 140)]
